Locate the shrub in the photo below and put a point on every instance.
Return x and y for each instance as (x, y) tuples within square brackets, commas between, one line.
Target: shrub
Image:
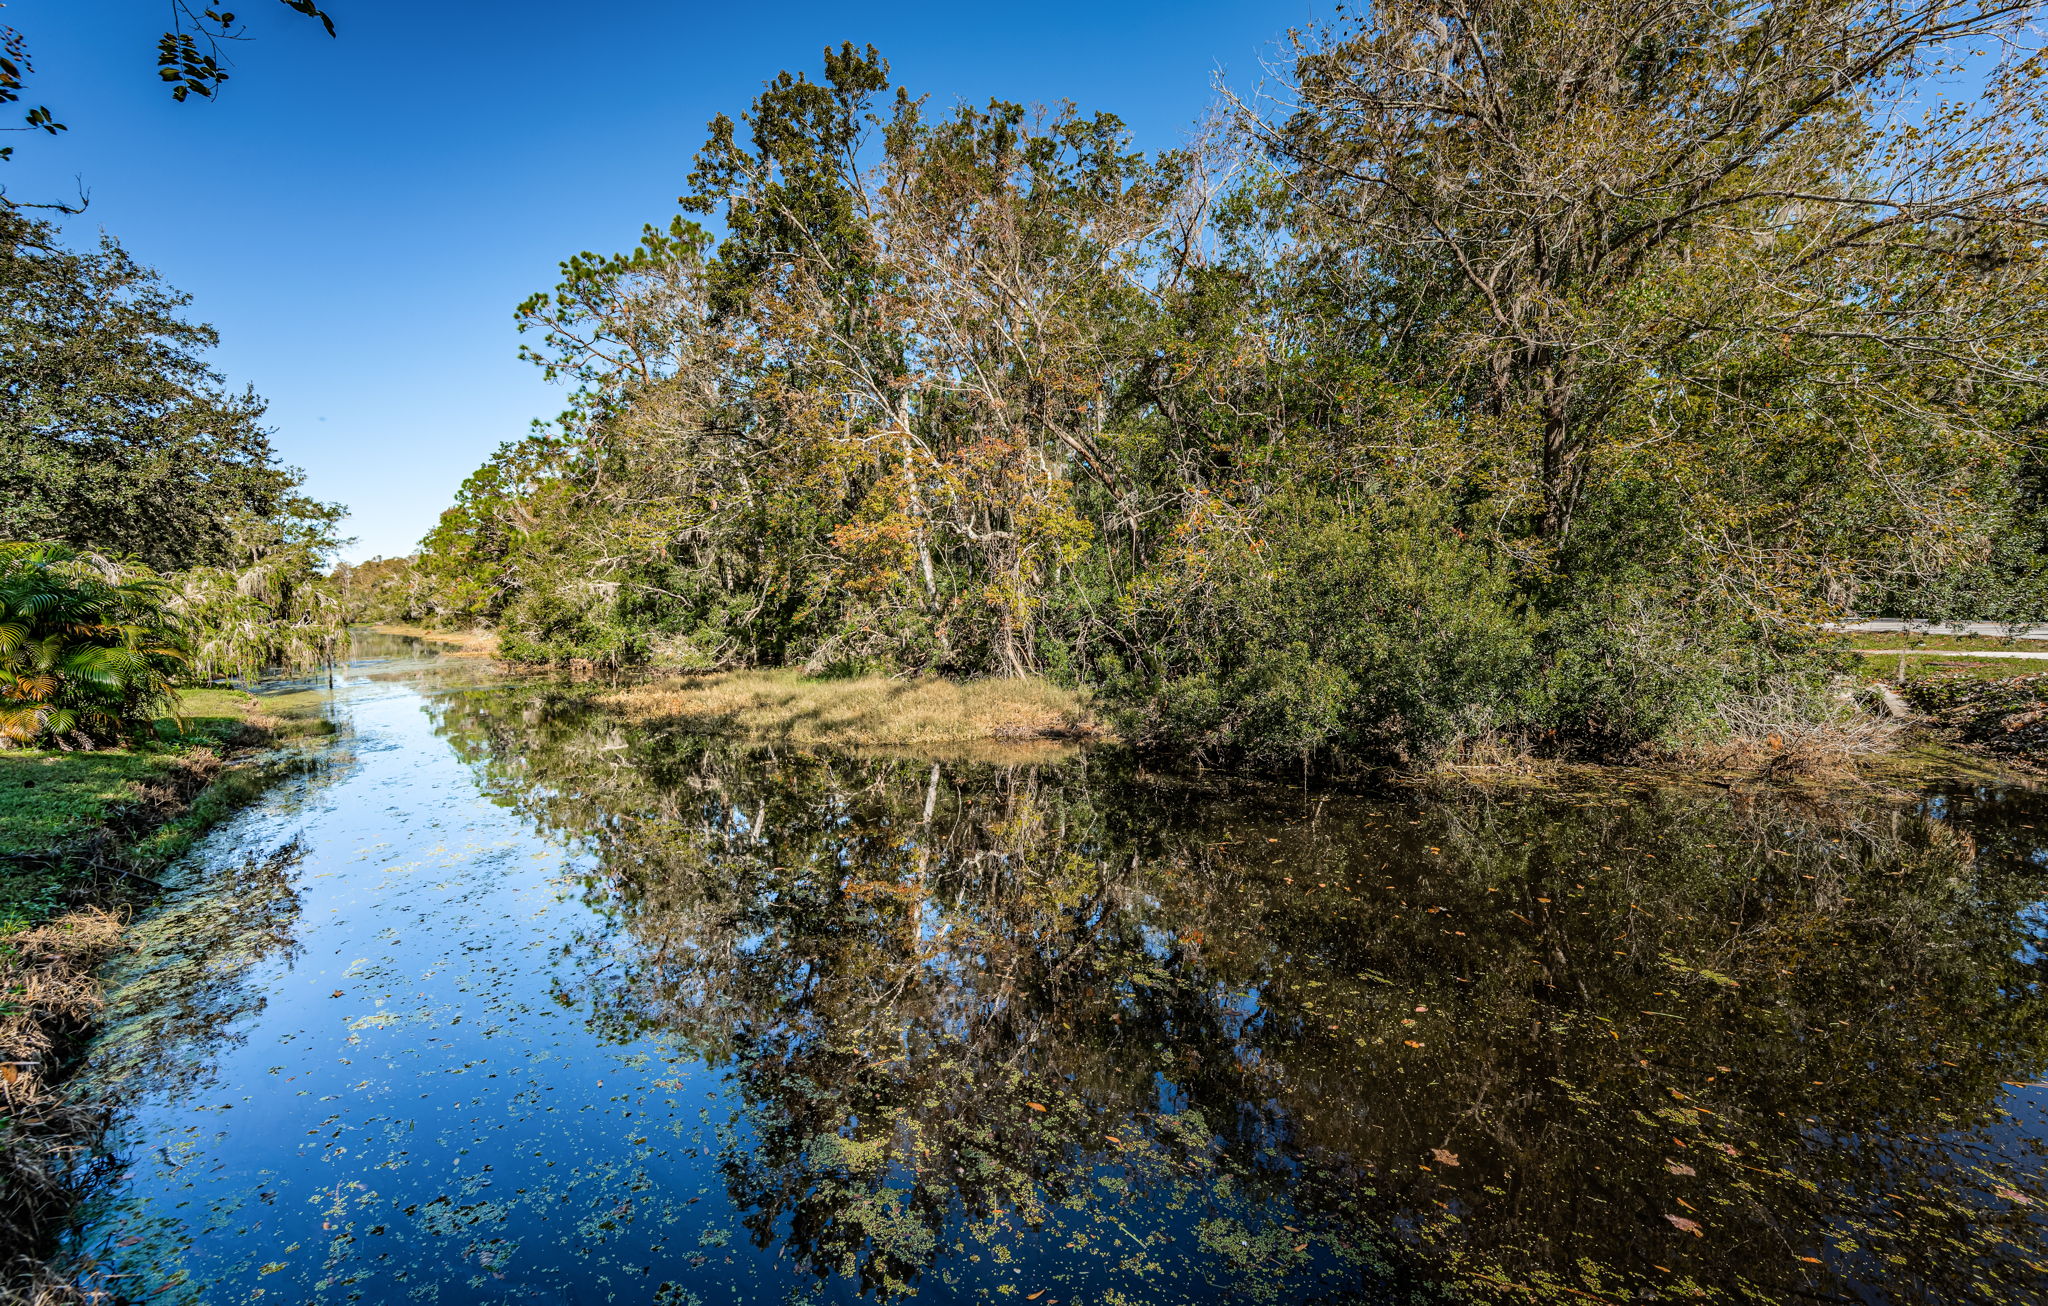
[(1318, 631), (83, 657)]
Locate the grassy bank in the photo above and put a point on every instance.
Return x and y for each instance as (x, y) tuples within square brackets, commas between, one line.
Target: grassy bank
[(454, 643), (1910, 639), (1930, 664), (868, 712), (82, 834)]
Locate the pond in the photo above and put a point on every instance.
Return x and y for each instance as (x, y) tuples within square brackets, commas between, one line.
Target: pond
[(515, 1002)]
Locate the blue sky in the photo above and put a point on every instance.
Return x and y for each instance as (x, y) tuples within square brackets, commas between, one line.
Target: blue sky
[(358, 216)]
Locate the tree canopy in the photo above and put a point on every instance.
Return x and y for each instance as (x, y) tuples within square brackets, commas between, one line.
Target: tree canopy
[(1521, 371)]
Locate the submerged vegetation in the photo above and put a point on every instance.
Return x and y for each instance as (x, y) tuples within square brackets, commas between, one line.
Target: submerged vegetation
[(83, 832), (1540, 380)]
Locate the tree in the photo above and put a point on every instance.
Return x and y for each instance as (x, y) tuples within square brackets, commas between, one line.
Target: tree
[(1650, 232), (115, 435)]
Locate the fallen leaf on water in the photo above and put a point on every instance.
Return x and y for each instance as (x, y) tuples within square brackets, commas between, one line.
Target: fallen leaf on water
[(1443, 1157), (1035, 1106), (1411, 1043), (1811, 1260), (1677, 1168), (1684, 1225), (1036, 1295), (2011, 1196), (1301, 1247)]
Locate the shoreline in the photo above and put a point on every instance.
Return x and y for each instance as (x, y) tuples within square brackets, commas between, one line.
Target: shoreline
[(456, 643), (1016, 720), (84, 855)]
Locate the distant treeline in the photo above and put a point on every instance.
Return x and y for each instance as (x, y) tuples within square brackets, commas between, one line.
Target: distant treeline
[(1525, 372)]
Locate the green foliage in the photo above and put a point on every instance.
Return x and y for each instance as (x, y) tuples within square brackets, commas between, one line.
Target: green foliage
[(1312, 628), (120, 442), (83, 658), (1527, 409), (116, 436)]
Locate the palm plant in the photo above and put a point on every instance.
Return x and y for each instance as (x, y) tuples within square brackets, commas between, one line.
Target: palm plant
[(84, 656)]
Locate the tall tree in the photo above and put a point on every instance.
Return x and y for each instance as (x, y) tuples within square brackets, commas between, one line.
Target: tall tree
[(115, 435), (1618, 221)]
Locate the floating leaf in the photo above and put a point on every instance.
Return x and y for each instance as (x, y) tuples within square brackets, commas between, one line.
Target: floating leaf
[(1684, 1225), (1036, 1106), (1676, 1167), (1443, 1157)]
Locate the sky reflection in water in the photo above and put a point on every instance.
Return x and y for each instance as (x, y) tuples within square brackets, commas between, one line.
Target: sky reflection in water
[(544, 1008)]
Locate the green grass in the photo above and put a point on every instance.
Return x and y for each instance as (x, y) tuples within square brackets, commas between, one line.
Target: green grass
[(51, 801), (1895, 639), (1930, 665)]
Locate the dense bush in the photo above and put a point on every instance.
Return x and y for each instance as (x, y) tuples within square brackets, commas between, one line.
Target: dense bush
[(1313, 630), (84, 658)]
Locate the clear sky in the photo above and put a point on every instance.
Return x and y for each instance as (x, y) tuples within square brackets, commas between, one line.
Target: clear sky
[(358, 216)]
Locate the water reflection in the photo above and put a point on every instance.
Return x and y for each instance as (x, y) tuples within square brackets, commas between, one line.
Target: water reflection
[(1151, 1041)]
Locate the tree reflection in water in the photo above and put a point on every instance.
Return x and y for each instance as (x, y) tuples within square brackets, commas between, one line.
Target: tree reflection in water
[(1189, 1040)]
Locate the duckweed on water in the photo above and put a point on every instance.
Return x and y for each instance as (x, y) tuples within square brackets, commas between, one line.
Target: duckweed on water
[(557, 1009)]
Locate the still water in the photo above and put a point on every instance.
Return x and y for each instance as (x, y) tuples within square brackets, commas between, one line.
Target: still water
[(515, 1002)]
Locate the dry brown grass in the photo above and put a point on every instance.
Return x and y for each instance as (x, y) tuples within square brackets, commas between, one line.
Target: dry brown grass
[(455, 643), (48, 998), (1792, 731), (870, 712)]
